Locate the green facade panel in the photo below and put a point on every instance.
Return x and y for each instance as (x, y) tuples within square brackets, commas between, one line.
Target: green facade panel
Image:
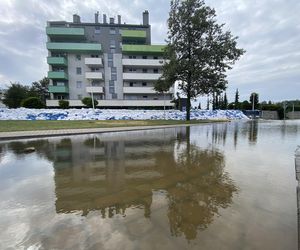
[(143, 49), (61, 31), (58, 89), (59, 61), (58, 75), (74, 47), (135, 34)]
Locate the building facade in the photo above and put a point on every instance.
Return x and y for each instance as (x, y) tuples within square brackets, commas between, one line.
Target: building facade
[(113, 62)]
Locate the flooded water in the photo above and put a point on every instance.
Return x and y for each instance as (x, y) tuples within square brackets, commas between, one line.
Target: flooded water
[(214, 186)]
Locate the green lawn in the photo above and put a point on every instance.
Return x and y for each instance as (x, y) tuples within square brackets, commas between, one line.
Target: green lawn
[(9, 126)]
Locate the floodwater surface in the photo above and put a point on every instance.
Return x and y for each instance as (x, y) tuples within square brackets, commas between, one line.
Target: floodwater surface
[(213, 186)]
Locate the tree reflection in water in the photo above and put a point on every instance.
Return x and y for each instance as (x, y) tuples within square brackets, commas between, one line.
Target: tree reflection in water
[(114, 173)]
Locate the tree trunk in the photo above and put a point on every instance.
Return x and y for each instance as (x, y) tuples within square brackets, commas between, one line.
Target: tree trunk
[(188, 108)]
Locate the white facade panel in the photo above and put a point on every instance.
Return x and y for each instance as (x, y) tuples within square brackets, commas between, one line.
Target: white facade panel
[(92, 89), (93, 61), (143, 62), (141, 76), (94, 75)]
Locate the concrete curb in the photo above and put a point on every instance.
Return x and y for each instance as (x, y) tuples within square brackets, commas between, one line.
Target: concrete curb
[(62, 132)]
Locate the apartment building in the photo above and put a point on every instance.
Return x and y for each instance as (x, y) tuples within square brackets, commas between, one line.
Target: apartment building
[(113, 62)]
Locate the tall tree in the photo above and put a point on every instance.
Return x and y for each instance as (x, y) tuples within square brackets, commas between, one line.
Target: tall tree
[(40, 89), (199, 51), (236, 99), (15, 94), (254, 100), (225, 101)]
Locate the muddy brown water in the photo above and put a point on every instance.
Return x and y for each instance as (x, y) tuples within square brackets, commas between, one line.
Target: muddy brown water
[(213, 186)]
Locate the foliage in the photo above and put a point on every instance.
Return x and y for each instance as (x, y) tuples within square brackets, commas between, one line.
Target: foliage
[(199, 51), (63, 104), (32, 103), (236, 99), (15, 94), (254, 98), (40, 89), (87, 101)]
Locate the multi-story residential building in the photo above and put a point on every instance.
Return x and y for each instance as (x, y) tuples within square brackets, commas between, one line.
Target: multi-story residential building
[(113, 62)]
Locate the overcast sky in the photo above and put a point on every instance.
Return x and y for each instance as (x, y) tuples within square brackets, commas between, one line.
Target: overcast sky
[(269, 30)]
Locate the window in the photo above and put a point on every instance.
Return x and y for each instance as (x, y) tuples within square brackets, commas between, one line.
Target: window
[(155, 70), (114, 96), (111, 83), (78, 57), (78, 71), (114, 77), (132, 57), (112, 44), (131, 84), (144, 57), (110, 56), (60, 97), (145, 96), (144, 84), (145, 70), (110, 63), (79, 84), (113, 70), (79, 97), (112, 31), (60, 84), (94, 56), (111, 90), (155, 57), (97, 30)]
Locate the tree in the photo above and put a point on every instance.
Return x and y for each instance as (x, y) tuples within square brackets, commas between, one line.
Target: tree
[(87, 101), (15, 94), (236, 99), (32, 103), (198, 50), (254, 98), (40, 89), (207, 104), (225, 101)]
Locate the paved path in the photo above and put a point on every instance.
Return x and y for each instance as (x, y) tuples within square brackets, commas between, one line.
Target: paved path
[(60, 132)]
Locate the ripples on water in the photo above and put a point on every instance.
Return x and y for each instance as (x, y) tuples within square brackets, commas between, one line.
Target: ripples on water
[(219, 186)]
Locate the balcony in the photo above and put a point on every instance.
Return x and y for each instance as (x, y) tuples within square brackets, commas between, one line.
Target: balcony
[(60, 75), (65, 32), (74, 47), (58, 89), (139, 90), (141, 76), (57, 61), (143, 62), (94, 75), (143, 49), (94, 89), (128, 35), (93, 61)]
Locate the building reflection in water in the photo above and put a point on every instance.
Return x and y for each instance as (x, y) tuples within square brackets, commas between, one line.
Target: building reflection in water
[(113, 172)]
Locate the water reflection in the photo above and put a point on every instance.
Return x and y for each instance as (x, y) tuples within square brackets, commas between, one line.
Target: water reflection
[(113, 173)]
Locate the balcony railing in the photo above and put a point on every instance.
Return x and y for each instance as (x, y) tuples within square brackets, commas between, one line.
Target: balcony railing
[(143, 62), (93, 75), (94, 89), (74, 47), (58, 61), (65, 32), (58, 75), (143, 49), (141, 76), (58, 89), (93, 61)]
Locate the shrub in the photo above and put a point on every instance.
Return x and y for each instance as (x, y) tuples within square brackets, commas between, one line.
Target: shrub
[(32, 103), (63, 104), (87, 101)]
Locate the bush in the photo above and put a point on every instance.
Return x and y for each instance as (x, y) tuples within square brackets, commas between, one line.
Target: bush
[(32, 103), (63, 104), (87, 101)]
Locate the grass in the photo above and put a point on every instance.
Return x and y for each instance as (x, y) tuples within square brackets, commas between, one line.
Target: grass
[(11, 125)]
